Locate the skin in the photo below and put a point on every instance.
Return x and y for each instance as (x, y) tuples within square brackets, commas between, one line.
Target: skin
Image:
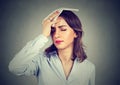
[(63, 39)]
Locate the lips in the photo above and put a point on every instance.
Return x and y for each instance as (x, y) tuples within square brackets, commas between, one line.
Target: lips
[(58, 41)]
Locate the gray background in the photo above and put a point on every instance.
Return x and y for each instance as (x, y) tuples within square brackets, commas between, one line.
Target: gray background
[(20, 22)]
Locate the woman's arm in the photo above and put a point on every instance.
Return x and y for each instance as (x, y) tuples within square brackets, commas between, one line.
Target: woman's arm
[(24, 62)]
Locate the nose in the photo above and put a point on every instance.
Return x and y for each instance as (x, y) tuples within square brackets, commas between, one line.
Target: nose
[(56, 34)]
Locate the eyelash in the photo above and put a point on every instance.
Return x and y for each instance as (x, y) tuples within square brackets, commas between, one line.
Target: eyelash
[(53, 30), (63, 29)]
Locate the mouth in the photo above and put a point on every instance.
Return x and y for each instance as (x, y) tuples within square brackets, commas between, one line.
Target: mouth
[(58, 41)]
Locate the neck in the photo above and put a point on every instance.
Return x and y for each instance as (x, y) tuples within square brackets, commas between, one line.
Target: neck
[(65, 55)]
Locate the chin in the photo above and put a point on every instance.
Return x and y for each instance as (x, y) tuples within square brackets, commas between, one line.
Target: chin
[(60, 48)]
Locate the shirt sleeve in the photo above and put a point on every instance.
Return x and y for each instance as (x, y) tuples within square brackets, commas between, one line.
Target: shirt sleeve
[(92, 77), (25, 61)]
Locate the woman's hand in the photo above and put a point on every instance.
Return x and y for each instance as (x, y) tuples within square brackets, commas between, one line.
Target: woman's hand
[(48, 23)]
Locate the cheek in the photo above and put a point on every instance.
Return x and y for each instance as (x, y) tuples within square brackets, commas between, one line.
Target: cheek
[(69, 36)]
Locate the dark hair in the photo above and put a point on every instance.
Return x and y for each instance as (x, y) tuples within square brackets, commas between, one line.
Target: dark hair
[(74, 22)]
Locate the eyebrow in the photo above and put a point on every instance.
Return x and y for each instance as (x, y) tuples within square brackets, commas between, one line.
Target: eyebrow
[(61, 26)]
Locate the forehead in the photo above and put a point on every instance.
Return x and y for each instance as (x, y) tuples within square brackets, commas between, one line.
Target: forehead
[(60, 21)]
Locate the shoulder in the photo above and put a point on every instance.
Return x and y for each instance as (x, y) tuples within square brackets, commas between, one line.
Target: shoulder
[(44, 55), (40, 56), (87, 65)]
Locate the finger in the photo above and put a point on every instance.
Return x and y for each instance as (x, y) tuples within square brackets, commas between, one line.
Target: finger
[(51, 16), (54, 14), (53, 23)]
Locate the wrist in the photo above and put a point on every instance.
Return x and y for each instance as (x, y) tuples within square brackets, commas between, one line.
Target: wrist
[(45, 34)]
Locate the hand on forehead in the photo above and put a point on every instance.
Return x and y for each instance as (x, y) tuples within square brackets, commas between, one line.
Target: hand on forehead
[(55, 14)]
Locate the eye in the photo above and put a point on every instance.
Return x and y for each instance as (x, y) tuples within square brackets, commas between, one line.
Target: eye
[(63, 29)]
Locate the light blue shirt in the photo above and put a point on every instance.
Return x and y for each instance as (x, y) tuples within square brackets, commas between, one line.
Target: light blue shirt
[(49, 71)]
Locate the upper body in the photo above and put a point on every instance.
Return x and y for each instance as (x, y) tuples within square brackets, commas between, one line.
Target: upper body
[(63, 63)]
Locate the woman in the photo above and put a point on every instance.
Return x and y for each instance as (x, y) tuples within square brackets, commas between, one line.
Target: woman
[(64, 62)]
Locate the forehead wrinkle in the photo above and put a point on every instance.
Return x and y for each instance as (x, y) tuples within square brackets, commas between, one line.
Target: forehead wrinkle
[(60, 23), (61, 26)]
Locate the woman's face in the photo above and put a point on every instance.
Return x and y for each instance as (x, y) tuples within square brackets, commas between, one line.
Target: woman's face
[(63, 36)]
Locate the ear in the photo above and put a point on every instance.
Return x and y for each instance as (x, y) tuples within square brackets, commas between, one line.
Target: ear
[(75, 35)]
